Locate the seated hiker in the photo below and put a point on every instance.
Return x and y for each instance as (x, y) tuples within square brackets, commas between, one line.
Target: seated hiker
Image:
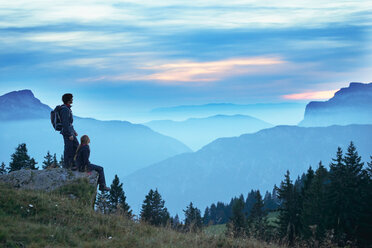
[(82, 161)]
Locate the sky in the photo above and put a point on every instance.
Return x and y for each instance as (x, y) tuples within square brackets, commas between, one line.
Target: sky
[(121, 59)]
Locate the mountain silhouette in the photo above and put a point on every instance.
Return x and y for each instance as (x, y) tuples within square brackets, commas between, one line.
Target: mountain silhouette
[(351, 105), (22, 105)]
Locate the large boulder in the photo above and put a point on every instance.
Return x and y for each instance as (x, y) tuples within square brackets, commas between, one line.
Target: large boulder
[(46, 180)]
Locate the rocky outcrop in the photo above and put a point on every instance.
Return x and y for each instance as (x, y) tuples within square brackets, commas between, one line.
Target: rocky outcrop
[(46, 180)]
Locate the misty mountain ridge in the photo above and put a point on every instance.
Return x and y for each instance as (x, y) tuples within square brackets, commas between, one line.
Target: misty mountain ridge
[(350, 105), (197, 132), (228, 167), (268, 112)]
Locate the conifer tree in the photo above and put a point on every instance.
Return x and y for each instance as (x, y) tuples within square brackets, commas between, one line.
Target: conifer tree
[(257, 209), (256, 222), (103, 202), (288, 211), (117, 197), (213, 214), (270, 203), (2, 169), (153, 210), (365, 225), (47, 163), (345, 193), (249, 202), (55, 161), (21, 160), (238, 220), (353, 190), (193, 220), (314, 206), (206, 217)]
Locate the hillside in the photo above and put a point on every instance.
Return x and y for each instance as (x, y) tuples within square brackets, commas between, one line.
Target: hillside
[(35, 219), (350, 105), (198, 132), (230, 166)]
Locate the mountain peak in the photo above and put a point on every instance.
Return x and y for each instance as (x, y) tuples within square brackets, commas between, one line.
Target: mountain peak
[(19, 93), (349, 105), (22, 104), (355, 87)]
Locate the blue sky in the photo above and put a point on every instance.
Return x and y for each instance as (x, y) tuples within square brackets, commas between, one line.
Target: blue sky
[(121, 58)]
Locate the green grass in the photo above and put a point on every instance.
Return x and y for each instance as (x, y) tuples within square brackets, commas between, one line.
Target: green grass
[(37, 219)]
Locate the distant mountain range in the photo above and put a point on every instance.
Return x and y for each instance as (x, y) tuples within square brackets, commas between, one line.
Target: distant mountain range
[(228, 167), (119, 146), (351, 105), (269, 112), (197, 132)]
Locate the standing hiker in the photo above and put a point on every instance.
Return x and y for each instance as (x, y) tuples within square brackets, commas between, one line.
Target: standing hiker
[(68, 131), (82, 161)]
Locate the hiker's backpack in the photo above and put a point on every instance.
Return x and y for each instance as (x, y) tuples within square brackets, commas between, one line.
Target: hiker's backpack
[(55, 118)]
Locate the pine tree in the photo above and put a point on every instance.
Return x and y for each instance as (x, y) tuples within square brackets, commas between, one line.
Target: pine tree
[(257, 209), (288, 211), (193, 220), (314, 205), (256, 222), (153, 210), (117, 198), (21, 160), (47, 163), (365, 224), (353, 190), (55, 163), (2, 169), (32, 164), (103, 203), (206, 217), (213, 214), (345, 195), (249, 202), (238, 221)]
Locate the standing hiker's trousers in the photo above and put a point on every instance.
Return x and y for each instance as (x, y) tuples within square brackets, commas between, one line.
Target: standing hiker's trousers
[(101, 174), (69, 152)]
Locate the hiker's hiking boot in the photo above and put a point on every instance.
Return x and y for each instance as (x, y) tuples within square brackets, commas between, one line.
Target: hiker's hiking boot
[(104, 188)]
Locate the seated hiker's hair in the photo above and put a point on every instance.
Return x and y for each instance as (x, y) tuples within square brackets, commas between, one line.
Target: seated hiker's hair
[(84, 140), (66, 98)]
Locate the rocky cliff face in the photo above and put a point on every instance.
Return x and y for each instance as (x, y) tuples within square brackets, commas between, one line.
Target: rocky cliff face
[(351, 105), (46, 180)]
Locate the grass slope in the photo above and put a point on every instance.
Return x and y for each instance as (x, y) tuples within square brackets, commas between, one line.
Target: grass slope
[(37, 219)]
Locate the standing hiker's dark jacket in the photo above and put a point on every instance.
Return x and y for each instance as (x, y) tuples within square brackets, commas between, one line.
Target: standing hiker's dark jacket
[(67, 120), (82, 158)]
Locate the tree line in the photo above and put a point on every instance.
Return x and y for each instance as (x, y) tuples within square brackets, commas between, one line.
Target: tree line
[(323, 206)]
